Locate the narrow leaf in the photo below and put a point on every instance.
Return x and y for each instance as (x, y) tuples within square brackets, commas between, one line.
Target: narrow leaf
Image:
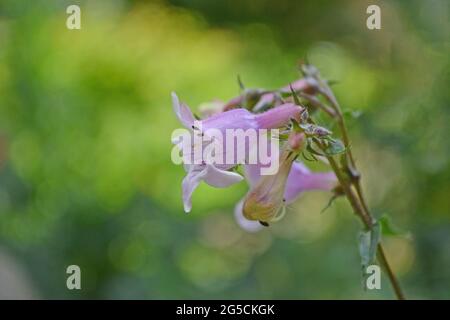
[(312, 151), (294, 95), (241, 84), (368, 242)]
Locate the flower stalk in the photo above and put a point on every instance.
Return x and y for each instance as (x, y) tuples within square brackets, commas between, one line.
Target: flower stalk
[(357, 200), (269, 194)]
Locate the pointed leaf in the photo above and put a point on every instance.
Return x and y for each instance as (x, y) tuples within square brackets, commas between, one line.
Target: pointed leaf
[(388, 228), (364, 248), (294, 95), (312, 151), (334, 146), (368, 242), (308, 159), (240, 83)]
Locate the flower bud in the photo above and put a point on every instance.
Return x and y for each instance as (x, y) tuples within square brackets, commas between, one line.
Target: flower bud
[(304, 116), (295, 141), (321, 131)]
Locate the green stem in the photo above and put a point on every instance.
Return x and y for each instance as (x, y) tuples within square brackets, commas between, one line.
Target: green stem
[(368, 222), (357, 201)]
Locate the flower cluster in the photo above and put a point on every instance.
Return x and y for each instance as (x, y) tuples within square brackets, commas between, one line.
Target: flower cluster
[(209, 153), (256, 109)]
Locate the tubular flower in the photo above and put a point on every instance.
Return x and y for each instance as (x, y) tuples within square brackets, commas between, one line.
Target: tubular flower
[(266, 199), (217, 175), (299, 180), (269, 195)]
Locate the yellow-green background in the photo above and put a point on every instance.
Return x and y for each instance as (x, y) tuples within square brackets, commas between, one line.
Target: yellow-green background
[(85, 171)]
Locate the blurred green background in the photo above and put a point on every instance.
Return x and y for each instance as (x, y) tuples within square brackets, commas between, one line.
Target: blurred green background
[(85, 170)]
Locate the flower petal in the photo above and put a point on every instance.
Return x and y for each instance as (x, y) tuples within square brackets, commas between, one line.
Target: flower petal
[(232, 119), (182, 111), (211, 175), (218, 178), (278, 116), (190, 183), (252, 173), (300, 179), (243, 222)]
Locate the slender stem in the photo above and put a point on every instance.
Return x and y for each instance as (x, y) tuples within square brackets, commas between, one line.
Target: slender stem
[(392, 278), (368, 222), (318, 104), (361, 197), (357, 201), (329, 95), (356, 205)]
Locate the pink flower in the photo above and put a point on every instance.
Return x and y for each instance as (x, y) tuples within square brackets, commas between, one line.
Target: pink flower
[(266, 101), (307, 85), (265, 200), (214, 174), (300, 179)]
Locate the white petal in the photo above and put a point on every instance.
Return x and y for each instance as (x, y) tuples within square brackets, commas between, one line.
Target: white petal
[(243, 222), (221, 178)]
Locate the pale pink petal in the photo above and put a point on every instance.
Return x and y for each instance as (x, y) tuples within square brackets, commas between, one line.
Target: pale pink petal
[(182, 111), (252, 173), (190, 183), (266, 100), (278, 116), (218, 178), (232, 119), (303, 84), (211, 175), (300, 179)]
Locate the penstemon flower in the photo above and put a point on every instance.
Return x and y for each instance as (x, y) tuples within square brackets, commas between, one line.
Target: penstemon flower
[(218, 175), (265, 200), (269, 194), (300, 179)]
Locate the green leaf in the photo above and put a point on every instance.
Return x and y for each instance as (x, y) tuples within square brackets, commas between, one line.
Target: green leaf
[(352, 114), (240, 83), (294, 95), (368, 242), (296, 126), (330, 202), (334, 146), (388, 228), (307, 158), (311, 149)]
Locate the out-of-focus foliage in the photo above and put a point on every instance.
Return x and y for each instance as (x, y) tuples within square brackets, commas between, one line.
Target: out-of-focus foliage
[(85, 124)]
